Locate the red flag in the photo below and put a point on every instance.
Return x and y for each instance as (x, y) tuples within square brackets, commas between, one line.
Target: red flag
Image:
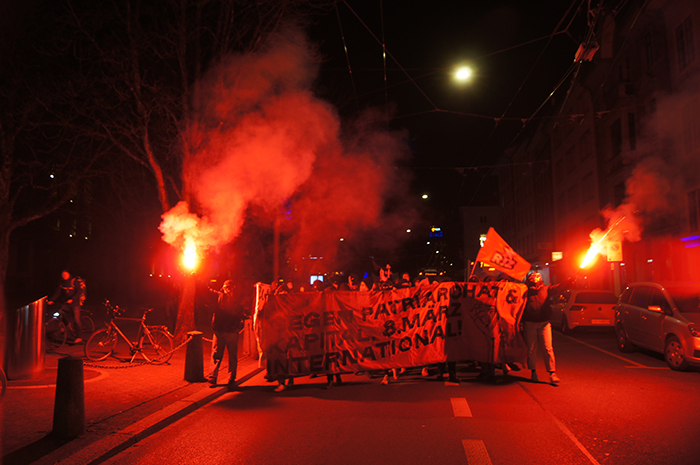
[(497, 253)]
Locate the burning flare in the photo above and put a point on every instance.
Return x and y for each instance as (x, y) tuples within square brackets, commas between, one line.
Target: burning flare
[(599, 245), (189, 256)]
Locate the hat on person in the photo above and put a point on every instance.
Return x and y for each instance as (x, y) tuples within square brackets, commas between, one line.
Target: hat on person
[(227, 284)]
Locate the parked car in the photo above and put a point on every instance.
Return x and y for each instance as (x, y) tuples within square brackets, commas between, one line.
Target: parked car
[(663, 317), (583, 307)]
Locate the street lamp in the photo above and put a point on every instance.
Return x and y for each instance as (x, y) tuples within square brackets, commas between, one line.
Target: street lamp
[(463, 73)]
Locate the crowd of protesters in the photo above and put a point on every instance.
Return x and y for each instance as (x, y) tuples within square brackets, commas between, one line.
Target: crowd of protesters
[(386, 280), (383, 280)]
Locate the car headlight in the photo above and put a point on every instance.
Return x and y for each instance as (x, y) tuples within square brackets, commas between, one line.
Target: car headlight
[(694, 330)]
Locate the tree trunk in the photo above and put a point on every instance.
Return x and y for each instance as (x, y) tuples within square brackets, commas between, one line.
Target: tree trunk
[(185, 311)]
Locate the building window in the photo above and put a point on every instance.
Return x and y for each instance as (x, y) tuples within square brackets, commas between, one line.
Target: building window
[(649, 50), (616, 138), (684, 44), (586, 143), (587, 187), (570, 160), (632, 129), (561, 205), (573, 197), (619, 194), (691, 126), (694, 210), (559, 171)]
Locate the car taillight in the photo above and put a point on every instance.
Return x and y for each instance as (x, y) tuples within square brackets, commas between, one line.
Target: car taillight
[(576, 308), (694, 330)]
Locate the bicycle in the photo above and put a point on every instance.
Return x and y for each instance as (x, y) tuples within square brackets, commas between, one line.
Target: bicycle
[(58, 327), (154, 343)]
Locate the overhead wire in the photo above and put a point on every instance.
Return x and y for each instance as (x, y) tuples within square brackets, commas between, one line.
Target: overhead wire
[(436, 109), (526, 121), (413, 79), (525, 79), (347, 56), (390, 55), (386, 93)]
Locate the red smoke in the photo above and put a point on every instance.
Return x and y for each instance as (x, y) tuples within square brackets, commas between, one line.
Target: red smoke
[(649, 195), (263, 138)]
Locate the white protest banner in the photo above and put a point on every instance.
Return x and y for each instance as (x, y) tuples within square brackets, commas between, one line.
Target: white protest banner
[(344, 331)]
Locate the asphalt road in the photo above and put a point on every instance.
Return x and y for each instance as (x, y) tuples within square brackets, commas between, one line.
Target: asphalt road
[(608, 409)]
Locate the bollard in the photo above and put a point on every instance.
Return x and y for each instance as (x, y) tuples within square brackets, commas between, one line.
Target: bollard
[(194, 359), (69, 405)]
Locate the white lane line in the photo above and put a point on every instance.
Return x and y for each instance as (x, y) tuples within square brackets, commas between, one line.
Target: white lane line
[(476, 452), (460, 407), (566, 431), (562, 427), (635, 364)]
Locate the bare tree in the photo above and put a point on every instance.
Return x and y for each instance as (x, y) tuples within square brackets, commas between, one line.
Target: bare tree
[(140, 62), (43, 156)]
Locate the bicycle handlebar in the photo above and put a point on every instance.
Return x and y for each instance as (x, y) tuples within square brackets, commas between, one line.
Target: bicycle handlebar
[(117, 311)]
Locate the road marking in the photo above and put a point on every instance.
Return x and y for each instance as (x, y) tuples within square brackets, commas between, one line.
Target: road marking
[(562, 427), (476, 452), (635, 364), (460, 407)]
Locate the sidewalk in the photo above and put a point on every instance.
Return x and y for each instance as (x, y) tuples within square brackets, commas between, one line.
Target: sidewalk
[(123, 404)]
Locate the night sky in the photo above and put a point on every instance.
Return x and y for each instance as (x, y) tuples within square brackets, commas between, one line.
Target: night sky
[(519, 52), (451, 125)]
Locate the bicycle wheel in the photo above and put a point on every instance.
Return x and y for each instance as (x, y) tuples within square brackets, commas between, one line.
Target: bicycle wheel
[(156, 347), (55, 333), (101, 345), (88, 325)]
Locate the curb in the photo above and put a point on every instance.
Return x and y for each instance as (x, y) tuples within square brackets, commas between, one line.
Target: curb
[(109, 446)]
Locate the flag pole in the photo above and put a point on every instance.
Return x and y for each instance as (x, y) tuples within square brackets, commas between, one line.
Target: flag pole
[(473, 268)]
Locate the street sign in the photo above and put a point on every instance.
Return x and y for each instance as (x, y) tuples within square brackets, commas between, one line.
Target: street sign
[(614, 251)]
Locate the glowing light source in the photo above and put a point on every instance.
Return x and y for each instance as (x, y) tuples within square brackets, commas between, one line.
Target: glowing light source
[(463, 73), (189, 256), (591, 254), (600, 245), (425, 196)]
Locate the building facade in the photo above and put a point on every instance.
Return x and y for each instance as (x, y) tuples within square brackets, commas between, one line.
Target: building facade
[(622, 141)]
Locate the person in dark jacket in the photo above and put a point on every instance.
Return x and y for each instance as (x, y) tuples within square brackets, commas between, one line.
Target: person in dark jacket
[(70, 295), (538, 329), (226, 323)]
